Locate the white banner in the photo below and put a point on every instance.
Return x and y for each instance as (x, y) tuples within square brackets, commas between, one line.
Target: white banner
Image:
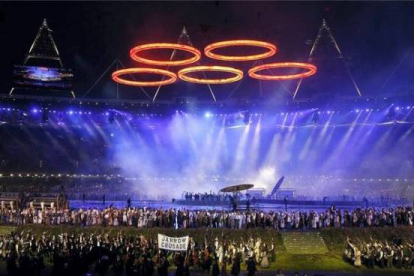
[(173, 244)]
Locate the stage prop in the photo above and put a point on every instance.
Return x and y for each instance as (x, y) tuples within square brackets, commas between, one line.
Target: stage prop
[(153, 46), (277, 186), (271, 50), (236, 188), (183, 74), (173, 244), (116, 76), (184, 38), (311, 70)]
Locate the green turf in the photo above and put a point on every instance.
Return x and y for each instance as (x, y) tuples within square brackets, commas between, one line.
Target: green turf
[(304, 243)]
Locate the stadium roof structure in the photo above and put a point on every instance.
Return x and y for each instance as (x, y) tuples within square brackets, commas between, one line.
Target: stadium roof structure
[(361, 48), (44, 46)]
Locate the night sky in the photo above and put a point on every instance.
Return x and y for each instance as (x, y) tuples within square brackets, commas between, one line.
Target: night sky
[(376, 38)]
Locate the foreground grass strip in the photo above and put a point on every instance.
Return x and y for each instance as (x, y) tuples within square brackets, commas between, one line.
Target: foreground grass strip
[(328, 258)]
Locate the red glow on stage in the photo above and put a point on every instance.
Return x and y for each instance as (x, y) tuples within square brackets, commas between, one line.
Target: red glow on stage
[(145, 47), (208, 51), (116, 76), (182, 74), (311, 70)]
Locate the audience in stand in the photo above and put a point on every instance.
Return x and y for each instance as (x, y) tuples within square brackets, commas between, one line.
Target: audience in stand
[(184, 218)]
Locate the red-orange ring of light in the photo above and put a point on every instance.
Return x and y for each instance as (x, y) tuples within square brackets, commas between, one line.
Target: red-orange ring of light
[(231, 43), (182, 74), (117, 74), (134, 54), (310, 67)]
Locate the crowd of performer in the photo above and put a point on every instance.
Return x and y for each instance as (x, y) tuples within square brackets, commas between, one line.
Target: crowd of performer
[(382, 254), (185, 218), (78, 254)]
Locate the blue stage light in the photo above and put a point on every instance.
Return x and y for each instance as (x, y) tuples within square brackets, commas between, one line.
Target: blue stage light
[(357, 110), (70, 112), (207, 114), (34, 110)]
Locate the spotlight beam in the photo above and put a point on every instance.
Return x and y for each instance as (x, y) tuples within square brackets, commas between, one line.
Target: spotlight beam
[(305, 150), (344, 140), (254, 150), (241, 149)]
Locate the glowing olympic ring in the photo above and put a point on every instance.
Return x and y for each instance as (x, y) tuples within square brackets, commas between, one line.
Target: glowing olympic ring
[(182, 74), (134, 54), (116, 76), (311, 70), (230, 43)]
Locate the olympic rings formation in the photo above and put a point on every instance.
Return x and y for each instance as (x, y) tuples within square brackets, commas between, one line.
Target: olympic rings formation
[(311, 70), (208, 51), (116, 76), (145, 47), (182, 74)]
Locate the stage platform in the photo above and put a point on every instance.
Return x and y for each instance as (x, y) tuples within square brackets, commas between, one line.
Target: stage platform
[(263, 204)]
